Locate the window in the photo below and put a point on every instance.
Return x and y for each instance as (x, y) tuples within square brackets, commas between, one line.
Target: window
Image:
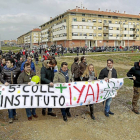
[(94, 34), (84, 34), (125, 35), (117, 28), (133, 23), (110, 28), (74, 19), (94, 20), (90, 27), (74, 34), (90, 34), (116, 22), (105, 21), (65, 34), (83, 14), (129, 23), (117, 35), (80, 34), (109, 21), (137, 35), (99, 35), (109, 16), (80, 27), (94, 27), (137, 29), (99, 28), (74, 26), (111, 35), (125, 29), (89, 20), (99, 21), (84, 27), (115, 17), (73, 14), (83, 19), (137, 23)]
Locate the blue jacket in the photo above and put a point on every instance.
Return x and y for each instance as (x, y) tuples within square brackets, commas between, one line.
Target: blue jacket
[(32, 66)]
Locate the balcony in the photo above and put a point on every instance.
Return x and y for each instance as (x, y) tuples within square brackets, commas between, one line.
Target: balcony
[(106, 31), (106, 24), (105, 38)]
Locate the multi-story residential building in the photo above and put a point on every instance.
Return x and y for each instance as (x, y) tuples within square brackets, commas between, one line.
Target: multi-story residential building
[(33, 36), (78, 27)]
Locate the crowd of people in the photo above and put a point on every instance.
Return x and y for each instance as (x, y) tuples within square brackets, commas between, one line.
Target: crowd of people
[(19, 69)]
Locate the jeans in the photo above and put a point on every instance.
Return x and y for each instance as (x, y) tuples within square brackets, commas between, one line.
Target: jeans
[(107, 104), (12, 113), (64, 110), (30, 111)]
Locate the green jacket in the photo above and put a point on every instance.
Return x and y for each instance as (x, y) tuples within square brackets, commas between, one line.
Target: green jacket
[(60, 78), (24, 78)]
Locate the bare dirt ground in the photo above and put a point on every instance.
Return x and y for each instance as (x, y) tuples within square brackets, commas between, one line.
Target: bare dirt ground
[(124, 125)]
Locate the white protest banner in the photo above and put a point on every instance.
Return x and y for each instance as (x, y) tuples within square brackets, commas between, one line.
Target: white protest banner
[(62, 95)]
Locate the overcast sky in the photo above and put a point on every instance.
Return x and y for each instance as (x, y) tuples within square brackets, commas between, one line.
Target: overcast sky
[(20, 16)]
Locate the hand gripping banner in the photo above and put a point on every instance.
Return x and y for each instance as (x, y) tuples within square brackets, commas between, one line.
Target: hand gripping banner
[(62, 95)]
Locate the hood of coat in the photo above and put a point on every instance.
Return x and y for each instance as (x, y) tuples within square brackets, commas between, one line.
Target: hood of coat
[(136, 65)]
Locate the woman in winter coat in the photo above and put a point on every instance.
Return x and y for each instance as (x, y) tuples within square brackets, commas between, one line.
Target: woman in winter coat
[(90, 75)]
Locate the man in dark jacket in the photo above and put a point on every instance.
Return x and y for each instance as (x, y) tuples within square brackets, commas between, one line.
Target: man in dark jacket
[(82, 65), (107, 73), (135, 73), (8, 76), (47, 75), (75, 69), (2, 64)]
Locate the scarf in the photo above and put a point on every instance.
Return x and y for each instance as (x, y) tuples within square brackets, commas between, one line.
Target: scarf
[(66, 75), (110, 73), (91, 75)]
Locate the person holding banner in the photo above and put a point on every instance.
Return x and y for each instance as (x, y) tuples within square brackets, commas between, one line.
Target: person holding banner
[(25, 78), (64, 76), (90, 75), (47, 75), (135, 73), (8, 76), (107, 73)]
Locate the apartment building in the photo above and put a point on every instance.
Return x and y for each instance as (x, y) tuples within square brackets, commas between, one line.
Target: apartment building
[(78, 27), (33, 36)]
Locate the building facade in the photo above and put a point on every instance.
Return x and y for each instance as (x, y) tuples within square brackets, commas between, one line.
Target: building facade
[(78, 27), (33, 36)]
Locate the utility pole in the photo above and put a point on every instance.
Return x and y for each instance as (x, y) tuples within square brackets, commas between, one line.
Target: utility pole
[(128, 37), (0, 42), (31, 41)]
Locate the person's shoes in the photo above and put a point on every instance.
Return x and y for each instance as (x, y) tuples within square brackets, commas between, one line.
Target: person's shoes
[(111, 113), (92, 116), (65, 118), (68, 114), (43, 112), (135, 111), (35, 116), (11, 120), (30, 118), (15, 117), (107, 114), (52, 114)]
